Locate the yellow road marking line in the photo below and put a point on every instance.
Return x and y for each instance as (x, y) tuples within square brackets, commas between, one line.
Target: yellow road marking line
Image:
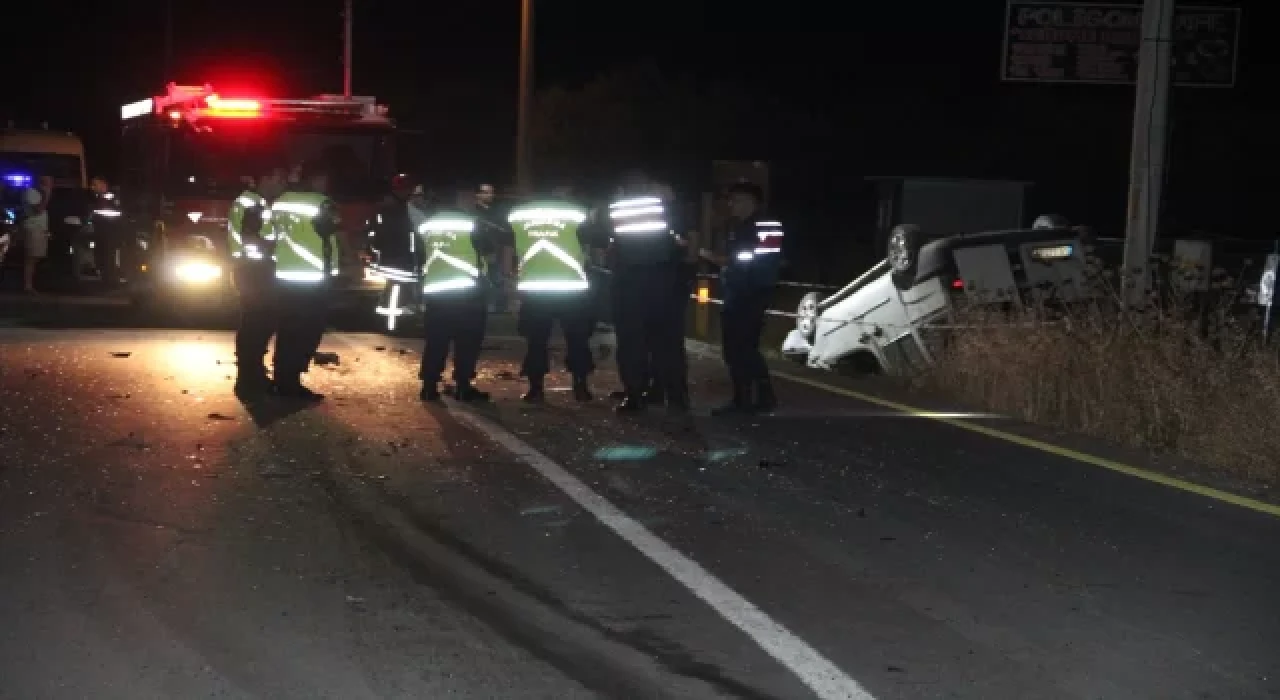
[(1086, 458)]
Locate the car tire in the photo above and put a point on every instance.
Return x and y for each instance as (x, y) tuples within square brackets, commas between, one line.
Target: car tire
[(903, 254), (807, 316)]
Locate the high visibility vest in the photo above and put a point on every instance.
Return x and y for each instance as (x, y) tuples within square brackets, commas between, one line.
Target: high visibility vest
[(548, 247), (642, 231), (451, 261), (755, 253), (301, 253), (766, 246), (235, 226)]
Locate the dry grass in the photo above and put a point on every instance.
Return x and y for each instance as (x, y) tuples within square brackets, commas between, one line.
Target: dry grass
[(1182, 378)]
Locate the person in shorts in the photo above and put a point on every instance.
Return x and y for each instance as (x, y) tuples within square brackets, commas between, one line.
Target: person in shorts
[(35, 229)]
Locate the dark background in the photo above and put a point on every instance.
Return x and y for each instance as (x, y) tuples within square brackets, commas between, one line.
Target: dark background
[(827, 92)]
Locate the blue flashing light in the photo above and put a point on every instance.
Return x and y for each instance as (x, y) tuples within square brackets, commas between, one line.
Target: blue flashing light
[(18, 179)]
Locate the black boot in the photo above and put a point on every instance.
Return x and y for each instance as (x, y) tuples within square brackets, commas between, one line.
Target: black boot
[(430, 391), (655, 395), (465, 392), (740, 404), (252, 385), (618, 394), (634, 403), (581, 392), (766, 400), (536, 393), (291, 388)]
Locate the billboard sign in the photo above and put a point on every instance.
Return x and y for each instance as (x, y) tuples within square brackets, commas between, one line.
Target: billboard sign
[(1064, 42)]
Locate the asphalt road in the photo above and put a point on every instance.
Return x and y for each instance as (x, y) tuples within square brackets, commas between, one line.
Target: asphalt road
[(158, 539)]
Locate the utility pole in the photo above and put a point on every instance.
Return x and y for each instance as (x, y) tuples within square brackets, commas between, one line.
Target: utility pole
[(1150, 138), (524, 154), (168, 42), (346, 50)]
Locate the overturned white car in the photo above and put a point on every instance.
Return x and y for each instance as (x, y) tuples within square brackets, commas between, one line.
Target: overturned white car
[(880, 321)]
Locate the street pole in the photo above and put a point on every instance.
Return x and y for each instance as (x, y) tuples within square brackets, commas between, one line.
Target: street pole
[(524, 154), (346, 50), (1150, 138), (168, 41)]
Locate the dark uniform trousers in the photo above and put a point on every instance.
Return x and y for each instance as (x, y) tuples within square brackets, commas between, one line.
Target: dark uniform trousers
[(105, 252), (538, 314), (741, 325), (686, 278), (599, 308), (648, 341), (457, 319), (255, 287), (303, 314)]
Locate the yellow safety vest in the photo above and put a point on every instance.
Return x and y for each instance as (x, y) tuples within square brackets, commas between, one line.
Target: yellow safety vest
[(547, 243), (302, 255), (449, 253)]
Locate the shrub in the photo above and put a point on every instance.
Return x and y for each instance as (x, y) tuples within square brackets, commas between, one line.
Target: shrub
[(1186, 375)]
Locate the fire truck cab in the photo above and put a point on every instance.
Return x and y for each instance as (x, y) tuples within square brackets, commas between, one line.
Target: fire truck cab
[(188, 153)]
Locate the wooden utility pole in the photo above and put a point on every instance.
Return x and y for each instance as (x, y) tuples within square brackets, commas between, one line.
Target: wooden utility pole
[(524, 152), (1150, 136), (346, 50)]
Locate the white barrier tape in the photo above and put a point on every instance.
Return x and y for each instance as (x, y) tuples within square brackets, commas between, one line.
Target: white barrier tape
[(783, 283), (896, 326), (780, 283)]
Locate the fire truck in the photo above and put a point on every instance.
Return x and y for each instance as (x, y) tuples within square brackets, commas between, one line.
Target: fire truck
[(188, 153)]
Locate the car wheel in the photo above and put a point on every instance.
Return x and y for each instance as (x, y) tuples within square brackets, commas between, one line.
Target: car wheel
[(903, 254), (807, 316)]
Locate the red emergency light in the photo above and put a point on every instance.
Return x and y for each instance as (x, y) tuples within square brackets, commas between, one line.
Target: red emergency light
[(233, 108), (196, 102)]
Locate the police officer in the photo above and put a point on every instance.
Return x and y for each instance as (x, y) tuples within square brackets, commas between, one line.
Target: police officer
[(749, 273), (306, 225), (394, 247), (105, 220), (452, 287), (495, 236), (553, 286), (251, 239), (645, 274)]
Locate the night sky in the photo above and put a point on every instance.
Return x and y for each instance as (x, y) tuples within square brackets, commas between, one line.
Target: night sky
[(906, 88)]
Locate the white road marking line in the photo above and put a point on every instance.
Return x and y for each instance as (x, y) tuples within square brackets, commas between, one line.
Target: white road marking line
[(826, 680)]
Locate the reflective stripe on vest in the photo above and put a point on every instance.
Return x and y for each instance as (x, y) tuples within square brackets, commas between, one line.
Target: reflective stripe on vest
[(769, 236), (235, 220), (639, 216), (547, 240), (443, 270), (299, 249)]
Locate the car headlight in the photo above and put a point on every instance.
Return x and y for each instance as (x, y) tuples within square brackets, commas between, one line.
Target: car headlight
[(197, 272)]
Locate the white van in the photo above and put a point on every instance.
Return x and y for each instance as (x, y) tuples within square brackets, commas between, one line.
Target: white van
[(27, 153), (881, 320)]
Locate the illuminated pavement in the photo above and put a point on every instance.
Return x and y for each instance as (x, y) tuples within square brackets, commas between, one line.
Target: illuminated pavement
[(158, 540)]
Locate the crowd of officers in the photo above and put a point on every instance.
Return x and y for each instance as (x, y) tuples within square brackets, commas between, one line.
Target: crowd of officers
[(552, 255)]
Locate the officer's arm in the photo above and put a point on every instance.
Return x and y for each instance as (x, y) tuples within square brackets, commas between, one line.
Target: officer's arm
[(251, 225), (326, 222), (506, 241), (713, 257), (326, 226)]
